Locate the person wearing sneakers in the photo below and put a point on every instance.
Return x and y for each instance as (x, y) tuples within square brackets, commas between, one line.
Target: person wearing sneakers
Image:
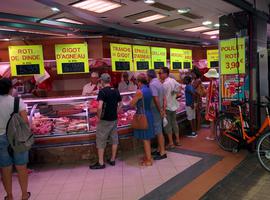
[(171, 89), (109, 99), (158, 110), (190, 109), (212, 102)]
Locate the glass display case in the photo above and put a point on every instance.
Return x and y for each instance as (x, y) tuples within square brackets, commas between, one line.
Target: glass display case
[(71, 115)]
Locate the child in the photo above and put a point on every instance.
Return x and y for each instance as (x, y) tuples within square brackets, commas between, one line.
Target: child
[(190, 110)]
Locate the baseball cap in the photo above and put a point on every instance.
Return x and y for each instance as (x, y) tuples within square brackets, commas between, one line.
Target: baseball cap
[(106, 78)]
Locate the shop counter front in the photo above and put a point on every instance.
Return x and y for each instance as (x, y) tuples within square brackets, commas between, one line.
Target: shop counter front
[(63, 124)]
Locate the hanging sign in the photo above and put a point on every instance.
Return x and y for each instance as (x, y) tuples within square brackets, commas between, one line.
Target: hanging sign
[(231, 61), (212, 58), (26, 60), (142, 57), (121, 56), (176, 58), (187, 59), (159, 57), (71, 58)]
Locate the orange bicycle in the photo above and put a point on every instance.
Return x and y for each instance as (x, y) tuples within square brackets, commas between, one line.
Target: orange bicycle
[(233, 131)]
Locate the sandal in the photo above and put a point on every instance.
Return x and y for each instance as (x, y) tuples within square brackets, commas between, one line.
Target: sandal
[(170, 146), (147, 163), (178, 144), (29, 195)]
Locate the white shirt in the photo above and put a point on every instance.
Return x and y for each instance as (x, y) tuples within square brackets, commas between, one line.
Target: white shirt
[(171, 88), (7, 107), (90, 89), (124, 87)]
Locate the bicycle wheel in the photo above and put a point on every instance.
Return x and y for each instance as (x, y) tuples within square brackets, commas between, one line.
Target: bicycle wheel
[(263, 150), (226, 124)]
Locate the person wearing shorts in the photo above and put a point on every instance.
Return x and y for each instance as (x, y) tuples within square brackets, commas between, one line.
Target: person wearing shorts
[(190, 107), (158, 111), (171, 90), (7, 161), (108, 98)]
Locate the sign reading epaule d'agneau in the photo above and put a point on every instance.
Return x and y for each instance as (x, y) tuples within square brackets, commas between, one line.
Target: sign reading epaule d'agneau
[(26, 60), (142, 57), (71, 58)]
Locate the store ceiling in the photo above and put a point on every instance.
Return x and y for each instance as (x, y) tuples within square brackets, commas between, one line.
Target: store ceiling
[(120, 21)]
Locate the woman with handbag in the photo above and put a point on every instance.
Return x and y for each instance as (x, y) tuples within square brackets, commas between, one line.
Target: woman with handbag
[(212, 102), (143, 119)]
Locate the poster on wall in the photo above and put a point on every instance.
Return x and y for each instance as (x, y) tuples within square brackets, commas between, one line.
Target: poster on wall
[(233, 87), (212, 58), (232, 56), (71, 58), (176, 59), (159, 57), (142, 57), (26, 60), (121, 56), (187, 59)]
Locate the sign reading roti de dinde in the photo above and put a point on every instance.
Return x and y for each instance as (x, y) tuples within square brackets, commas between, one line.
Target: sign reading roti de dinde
[(26, 60)]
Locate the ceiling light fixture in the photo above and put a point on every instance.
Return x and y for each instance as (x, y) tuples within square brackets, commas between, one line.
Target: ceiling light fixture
[(205, 23), (197, 29), (41, 32), (149, 1), (7, 29), (184, 10), (151, 18), (68, 20), (216, 25), (54, 9), (97, 6), (6, 39), (215, 32), (213, 37)]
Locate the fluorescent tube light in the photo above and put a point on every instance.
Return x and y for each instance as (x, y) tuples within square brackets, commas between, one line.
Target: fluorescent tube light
[(184, 10), (68, 21), (197, 29), (207, 23), (213, 37), (97, 6), (151, 18), (149, 1), (215, 32)]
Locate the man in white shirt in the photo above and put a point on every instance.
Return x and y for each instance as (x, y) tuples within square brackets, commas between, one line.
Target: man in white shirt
[(171, 89), (93, 87), (126, 85)]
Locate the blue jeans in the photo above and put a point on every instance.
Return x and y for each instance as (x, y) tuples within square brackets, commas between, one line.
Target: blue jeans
[(5, 159)]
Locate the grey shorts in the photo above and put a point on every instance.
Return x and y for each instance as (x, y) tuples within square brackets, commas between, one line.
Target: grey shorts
[(172, 126), (191, 114), (157, 123), (106, 131)]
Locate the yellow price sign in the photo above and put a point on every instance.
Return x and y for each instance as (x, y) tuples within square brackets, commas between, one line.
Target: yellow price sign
[(212, 58), (187, 58), (232, 61), (176, 58), (159, 57), (142, 57), (26, 60), (121, 57), (72, 58)]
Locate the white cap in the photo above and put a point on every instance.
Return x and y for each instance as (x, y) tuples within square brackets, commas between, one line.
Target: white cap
[(94, 75)]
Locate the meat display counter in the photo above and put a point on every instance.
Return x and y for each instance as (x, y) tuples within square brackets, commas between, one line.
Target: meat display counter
[(72, 120)]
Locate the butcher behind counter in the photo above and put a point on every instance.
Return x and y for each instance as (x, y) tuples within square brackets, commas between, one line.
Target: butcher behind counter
[(93, 87)]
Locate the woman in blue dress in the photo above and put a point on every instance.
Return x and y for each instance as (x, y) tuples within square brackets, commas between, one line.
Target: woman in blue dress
[(142, 101)]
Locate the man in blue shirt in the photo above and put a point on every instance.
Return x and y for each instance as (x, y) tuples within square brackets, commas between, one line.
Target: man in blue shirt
[(190, 110)]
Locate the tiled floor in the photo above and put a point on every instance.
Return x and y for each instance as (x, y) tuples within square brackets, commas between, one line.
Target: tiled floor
[(127, 180)]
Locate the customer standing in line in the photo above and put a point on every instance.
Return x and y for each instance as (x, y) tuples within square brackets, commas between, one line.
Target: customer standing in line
[(7, 161), (108, 99), (171, 89), (212, 102), (158, 110), (190, 95), (142, 100)]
